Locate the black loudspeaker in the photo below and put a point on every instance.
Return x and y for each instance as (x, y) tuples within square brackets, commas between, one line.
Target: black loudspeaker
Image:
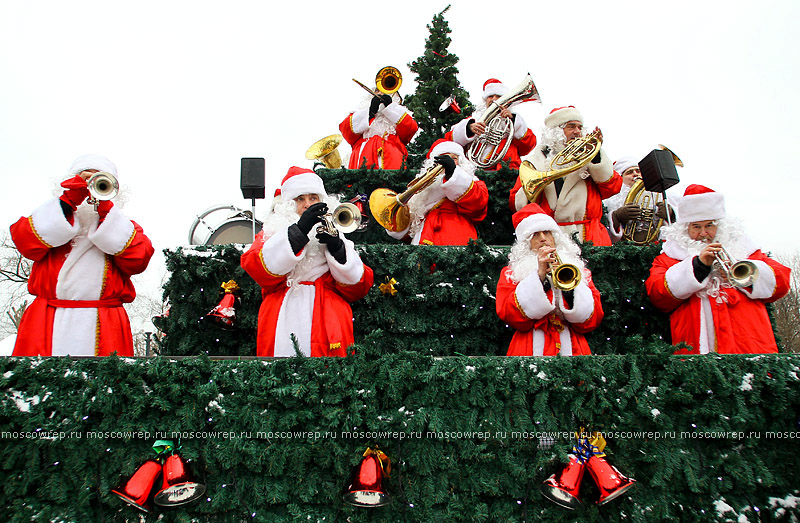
[(658, 170), (252, 180)]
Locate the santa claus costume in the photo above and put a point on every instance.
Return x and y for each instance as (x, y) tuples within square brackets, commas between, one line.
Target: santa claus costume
[(82, 265), (578, 205), (305, 294), (379, 139), (706, 311), (522, 141), (445, 213), (547, 320)]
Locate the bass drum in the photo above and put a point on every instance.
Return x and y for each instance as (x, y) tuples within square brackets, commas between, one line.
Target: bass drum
[(222, 225)]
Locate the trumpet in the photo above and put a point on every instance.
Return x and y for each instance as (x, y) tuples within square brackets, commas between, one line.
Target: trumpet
[(345, 218), (739, 274), (565, 276), (102, 186)]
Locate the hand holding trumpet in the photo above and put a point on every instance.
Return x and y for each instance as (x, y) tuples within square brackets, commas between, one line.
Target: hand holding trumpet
[(708, 254)]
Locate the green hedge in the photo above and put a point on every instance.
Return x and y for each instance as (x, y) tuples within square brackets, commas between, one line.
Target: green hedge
[(693, 431)]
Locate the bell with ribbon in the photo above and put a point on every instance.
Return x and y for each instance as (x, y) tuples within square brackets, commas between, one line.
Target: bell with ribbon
[(224, 314), (136, 491), (178, 487), (609, 480), (365, 487), (563, 487)]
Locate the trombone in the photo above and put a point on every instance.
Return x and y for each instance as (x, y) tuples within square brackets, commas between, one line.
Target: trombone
[(739, 274), (387, 81)]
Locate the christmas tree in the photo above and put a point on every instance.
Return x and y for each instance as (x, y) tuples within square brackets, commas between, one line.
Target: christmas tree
[(436, 81)]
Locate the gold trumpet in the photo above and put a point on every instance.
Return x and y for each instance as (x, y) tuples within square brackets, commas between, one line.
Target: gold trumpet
[(565, 276), (739, 274), (102, 186), (390, 209), (345, 218), (387, 81), (580, 151)]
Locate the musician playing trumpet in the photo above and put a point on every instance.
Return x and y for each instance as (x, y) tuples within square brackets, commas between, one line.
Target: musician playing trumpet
[(550, 313), (445, 212), (308, 274), (712, 308), (575, 201)]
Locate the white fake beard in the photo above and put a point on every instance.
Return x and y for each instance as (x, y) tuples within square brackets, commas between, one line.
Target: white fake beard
[(524, 261)]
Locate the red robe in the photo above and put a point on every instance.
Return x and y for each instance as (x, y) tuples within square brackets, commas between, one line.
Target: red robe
[(451, 211), (579, 205), (544, 323), (80, 283), (522, 142), (316, 308), (739, 325), (384, 151)]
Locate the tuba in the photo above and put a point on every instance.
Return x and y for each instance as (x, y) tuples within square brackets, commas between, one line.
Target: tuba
[(387, 81), (325, 151), (565, 276), (492, 146), (739, 274), (643, 229), (390, 209), (345, 218), (575, 155), (102, 186)]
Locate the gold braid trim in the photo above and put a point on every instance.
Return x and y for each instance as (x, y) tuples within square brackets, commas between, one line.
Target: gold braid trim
[(471, 185), (38, 237), (264, 265), (127, 244)]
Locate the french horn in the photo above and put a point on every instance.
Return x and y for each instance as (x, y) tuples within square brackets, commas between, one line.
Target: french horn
[(102, 186), (326, 152), (577, 153), (345, 218), (491, 147)]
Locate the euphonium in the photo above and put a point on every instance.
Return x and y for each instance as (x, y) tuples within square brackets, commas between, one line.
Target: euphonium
[(739, 274), (390, 209), (645, 227), (492, 146), (575, 155), (345, 218), (102, 186), (565, 276)]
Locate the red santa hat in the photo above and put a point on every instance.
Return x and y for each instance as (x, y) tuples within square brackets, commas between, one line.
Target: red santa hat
[(699, 203), (442, 146), (92, 161), (532, 219), (562, 115), (493, 87), (625, 163), (299, 180)]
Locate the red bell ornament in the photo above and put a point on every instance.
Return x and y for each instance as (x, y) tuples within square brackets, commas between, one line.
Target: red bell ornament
[(563, 488), (136, 491), (609, 480), (365, 488), (178, 488), (224, 314)]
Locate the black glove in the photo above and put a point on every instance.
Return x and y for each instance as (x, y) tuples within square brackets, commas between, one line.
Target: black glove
[(596, 159), (626, 213), (470, 134), (374, 106), (335, 246), (386, 99), (448, 163), (312, 216)]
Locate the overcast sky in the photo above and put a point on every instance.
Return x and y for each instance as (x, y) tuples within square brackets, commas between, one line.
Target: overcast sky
[(176, 92)]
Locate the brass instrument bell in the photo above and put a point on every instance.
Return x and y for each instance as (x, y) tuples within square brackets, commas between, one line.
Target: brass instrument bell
[(325, 151), (346, 218), (739, 274), (102, 186), (645, 227), (387, 81), (565, 276)]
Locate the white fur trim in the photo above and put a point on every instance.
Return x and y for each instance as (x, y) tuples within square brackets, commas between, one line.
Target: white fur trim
[(446, 147), (582, 304), (535, 223), (458, 184), (520, 199), (532, 298), (681, 281), (353, 269), (113, 235), (295, 317), (566, 342), (562, 116), (764, 286), (92, 161), (602, 171), (360, 121), (277, 253), (51, 225), (701, 207), (394, 112), (303, 183), (520, 127), (460, 133), (494, 89), (625, 163)]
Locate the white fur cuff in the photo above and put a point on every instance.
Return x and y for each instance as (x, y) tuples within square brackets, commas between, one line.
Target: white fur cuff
[(113, 235), (51, 226), (681, 281), (532, 299), (764, 286), (277, 254), (353, 269), (582, 304)]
